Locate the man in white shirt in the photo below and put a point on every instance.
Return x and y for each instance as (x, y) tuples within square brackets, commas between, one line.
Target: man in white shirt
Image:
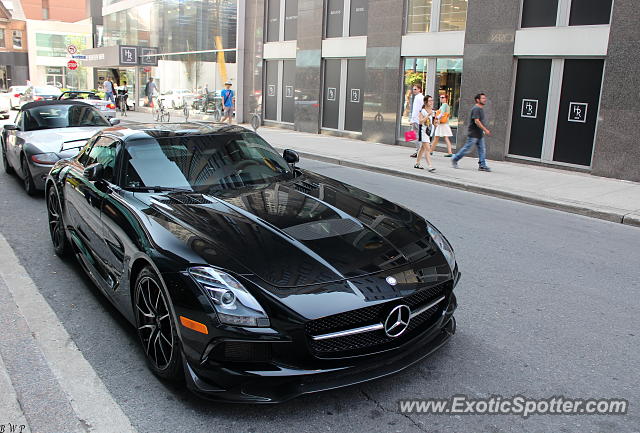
[(418, 102)]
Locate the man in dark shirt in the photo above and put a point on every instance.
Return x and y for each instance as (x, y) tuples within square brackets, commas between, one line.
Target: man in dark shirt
[(475, 136)]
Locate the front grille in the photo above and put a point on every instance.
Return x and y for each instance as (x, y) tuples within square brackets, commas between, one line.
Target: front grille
[(375, 340)]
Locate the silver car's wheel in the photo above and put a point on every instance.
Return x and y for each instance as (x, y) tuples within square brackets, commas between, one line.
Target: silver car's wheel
[(29, 185), (7, 168)]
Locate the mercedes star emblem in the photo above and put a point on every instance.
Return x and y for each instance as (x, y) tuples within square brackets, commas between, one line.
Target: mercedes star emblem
[(392, 281), (397, 321)]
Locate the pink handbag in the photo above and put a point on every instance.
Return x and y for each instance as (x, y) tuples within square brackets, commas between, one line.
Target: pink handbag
[(410, 136)]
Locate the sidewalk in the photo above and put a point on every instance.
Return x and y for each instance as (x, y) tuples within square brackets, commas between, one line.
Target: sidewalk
[(581, 193)]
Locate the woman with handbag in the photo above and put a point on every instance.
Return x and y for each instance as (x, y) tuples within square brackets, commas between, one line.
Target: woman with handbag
[(426, 119), (443, 129)]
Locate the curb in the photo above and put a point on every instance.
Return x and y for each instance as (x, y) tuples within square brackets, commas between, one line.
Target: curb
[(632, 219)]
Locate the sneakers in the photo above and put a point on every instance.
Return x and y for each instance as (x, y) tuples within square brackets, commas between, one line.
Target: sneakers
[(485, 168), (415, 155), (454, 163), (418, 167), (448, 155), (431, 169)]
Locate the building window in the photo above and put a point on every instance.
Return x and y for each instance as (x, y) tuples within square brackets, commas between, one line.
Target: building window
[(448, 83), (346, 18), (273, 20), (17, 39), (45, 9), (539, 13), (590, 12), (2, 43), (282, 20), (290, 20), (453, 15), (419, 18)]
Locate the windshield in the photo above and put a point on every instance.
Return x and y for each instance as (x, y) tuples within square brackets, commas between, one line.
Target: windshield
[(47, 90), (203, 162), (79, 95), (62, 116)]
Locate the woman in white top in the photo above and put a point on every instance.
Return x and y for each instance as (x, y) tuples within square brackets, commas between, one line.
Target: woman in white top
[(443, 129), (426, 119)]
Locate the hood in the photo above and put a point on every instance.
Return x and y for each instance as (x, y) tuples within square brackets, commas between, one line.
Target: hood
[(308, 231), (50, 140)]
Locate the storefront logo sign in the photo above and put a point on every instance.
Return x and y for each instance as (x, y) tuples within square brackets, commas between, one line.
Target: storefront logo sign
[(331, 94), (271, 90), (355, 95), (128, 55), (147, 57), (288, 91), (529, 108), (578, 112)]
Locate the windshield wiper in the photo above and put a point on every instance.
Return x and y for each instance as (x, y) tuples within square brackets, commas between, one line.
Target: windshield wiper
[(157, 189)]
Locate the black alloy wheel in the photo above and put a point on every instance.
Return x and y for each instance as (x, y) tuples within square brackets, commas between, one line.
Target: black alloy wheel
[(29, 186), (7, 168), (156, 327), (56, 224)]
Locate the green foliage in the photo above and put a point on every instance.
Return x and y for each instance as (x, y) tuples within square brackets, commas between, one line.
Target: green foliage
[(411, 78)]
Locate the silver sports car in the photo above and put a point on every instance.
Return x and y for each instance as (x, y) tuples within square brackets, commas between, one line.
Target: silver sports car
[(45, 132)]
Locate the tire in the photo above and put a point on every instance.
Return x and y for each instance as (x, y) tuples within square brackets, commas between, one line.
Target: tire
[(216, 115), (7, 167), (166, 116), (56, 224), (156, 327), (29, 186)]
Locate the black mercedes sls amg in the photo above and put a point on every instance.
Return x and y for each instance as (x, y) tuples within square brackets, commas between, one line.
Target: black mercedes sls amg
[(245, 276)]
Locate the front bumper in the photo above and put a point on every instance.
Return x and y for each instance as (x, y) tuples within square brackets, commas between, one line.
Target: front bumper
[(280, 382)]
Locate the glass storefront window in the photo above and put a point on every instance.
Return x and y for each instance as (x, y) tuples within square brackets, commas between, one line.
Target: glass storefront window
[(419, 16), (55, 45), (448, 82), (415, 72), (453, 15)]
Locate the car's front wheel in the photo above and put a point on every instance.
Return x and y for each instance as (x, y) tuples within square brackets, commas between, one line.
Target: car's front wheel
[(5, 162), (156, 327), (29, 185), (56, 224)]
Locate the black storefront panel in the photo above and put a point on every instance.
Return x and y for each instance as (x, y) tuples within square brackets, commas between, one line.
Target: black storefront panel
[(355, 92), (358, 18), (331, 97), (271, 90), (335, 18), (539, 13), (590, 12), (288, 90), (530, 107), (291, 20), (273, 20), (578, 113)]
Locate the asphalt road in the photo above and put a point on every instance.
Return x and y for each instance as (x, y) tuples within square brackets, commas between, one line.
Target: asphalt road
[(548, 305)]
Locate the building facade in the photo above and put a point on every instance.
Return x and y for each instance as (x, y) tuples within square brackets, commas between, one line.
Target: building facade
[(14, 61), (560, 75)]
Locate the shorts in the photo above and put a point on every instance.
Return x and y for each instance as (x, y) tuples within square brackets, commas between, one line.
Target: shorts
[(227, 111)]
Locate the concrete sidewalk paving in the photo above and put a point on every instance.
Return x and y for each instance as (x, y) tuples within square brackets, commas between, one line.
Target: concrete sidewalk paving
[(609, 199)]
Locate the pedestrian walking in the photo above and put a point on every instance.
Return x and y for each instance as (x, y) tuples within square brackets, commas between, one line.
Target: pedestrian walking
[(150, 89), (107, 86), (418, 103), (426, 118), (443, 129), (228, 102), (475, 136)]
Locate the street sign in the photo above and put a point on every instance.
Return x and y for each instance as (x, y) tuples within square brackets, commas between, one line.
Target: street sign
[(79, 57), (72, 64), (72, 49)]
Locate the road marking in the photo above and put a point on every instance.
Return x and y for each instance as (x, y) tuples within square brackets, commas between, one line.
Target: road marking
[(87, 394)]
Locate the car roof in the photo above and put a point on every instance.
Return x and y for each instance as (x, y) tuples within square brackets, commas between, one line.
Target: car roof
[(177, 129), (35, 104), (78, 91)]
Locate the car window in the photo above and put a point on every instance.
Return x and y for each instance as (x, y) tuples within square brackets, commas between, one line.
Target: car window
[(62, 116), (104, 152), (19, 121)]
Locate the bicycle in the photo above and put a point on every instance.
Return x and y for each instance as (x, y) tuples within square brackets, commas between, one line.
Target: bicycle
[(256, 119), (122, 105), (161, 113)]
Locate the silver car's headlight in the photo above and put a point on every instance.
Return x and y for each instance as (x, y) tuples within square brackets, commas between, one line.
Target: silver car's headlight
[(443, 244), (233, 302)]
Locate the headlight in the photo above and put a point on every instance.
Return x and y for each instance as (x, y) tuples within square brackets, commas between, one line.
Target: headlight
[(45, 158), (443, 244), (234, 304)]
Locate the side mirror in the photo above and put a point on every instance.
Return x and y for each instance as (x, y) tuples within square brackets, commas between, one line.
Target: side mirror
[(114, 121), (10, 127), (93, 172), (291, 156)]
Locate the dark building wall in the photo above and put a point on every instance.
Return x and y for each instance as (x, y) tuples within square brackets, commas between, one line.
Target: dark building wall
[(383, 63), (617, 152), (488, 67), (17, 67)]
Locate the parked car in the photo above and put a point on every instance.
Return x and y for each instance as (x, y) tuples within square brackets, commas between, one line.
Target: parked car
[(176, 98), (44, 133), (39, 93), (107, 108), (15, 92), (247, 276)]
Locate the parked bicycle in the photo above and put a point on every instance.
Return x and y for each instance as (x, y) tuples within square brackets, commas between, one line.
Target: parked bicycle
[(185, 111), (121, 104), (256, 119), (160, 112)]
